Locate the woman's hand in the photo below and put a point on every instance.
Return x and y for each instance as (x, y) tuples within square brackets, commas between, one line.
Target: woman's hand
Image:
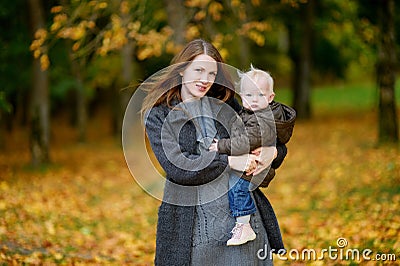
[(265, 156), (243, 163), (214, 145)]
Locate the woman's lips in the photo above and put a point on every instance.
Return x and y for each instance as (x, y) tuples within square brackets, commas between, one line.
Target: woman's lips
[(202, 88)]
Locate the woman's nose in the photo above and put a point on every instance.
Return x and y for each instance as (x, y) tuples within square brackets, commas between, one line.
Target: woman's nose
[(204, 78)]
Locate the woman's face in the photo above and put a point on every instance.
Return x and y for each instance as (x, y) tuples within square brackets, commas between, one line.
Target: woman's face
[(198, 77)]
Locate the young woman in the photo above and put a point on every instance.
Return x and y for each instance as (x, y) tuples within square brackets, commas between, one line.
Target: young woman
[(194, 215)]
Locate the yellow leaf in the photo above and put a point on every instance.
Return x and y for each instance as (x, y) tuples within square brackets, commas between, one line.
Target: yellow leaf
[(58, 256), (44, 62), (102, 5), (256, 37), (41, 34), (76, 46), (242, 14), (50, 227), (36, 54), (192, 32), (78, 32), (215, 10), (61, 18), (135, 26), (56, 9), (4, 186), (144, 53), (235, 3), (224, 53), (55, 26), (196, 3), (200, 15), (124, 7), (91, 24), (3, 230)]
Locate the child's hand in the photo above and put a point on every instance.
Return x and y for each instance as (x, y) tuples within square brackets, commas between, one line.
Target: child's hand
[(251, 167), (214, 146)]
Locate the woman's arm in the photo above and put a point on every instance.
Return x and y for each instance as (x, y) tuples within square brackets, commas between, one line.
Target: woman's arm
[(182, 167)]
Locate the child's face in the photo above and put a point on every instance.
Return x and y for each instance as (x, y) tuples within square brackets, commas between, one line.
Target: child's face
[(256, 95)]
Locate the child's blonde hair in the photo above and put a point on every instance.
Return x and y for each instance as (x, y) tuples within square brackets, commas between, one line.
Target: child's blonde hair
[(256, 74)]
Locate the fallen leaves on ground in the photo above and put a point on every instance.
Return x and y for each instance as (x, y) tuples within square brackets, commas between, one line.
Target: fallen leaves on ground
[(337, 184), (86, 209)]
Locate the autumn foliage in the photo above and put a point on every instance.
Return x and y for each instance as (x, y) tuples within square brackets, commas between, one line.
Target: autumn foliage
[(86, 209)]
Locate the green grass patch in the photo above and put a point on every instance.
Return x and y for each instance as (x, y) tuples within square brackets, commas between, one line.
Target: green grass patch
[(346, 97)]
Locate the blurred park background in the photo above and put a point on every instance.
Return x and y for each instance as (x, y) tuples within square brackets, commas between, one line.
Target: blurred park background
[(69, 68)]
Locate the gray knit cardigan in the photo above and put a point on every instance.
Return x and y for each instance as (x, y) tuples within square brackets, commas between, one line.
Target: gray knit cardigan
[(176, 223)]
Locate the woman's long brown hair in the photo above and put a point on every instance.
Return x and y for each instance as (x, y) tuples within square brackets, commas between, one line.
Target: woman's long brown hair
[(165, 85)]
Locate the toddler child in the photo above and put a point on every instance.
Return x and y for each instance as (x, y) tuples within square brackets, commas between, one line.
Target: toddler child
[(253, 128)]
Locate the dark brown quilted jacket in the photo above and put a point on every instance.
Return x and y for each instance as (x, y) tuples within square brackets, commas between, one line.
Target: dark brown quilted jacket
[(285, 118)]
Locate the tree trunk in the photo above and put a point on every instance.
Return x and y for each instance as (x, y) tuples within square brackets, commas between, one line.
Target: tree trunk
[(123, 93), (302, 64), (177, 19), (2, 129), (81, 112), (39, 106), (386, 74), (244, 52), (81, 100)]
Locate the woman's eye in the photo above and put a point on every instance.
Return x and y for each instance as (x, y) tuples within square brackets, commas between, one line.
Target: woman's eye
[(213, 74)]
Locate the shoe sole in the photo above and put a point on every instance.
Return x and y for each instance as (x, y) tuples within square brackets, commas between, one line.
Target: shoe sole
[(241, 243)]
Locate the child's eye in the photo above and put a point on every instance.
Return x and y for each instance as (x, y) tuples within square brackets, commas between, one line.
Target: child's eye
[(248, 94), (261, 94)]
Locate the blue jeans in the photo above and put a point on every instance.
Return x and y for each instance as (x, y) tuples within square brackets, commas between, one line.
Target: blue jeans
[(240, 201)]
